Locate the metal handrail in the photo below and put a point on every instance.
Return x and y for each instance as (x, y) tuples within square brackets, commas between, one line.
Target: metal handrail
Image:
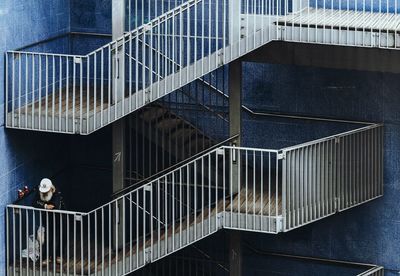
[(332, 137), (167, 170)]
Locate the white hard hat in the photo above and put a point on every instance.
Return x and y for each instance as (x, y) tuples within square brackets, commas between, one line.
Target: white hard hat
[(45, 185)]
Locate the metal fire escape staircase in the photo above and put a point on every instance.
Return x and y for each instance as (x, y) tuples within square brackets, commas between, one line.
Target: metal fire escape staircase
[(80, 94), (225, 187), (69, 93)]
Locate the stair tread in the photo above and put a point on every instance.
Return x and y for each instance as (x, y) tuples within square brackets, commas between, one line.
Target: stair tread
[(188, 221)]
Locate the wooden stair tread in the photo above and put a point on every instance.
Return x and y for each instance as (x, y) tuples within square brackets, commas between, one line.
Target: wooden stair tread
[(187, 222)]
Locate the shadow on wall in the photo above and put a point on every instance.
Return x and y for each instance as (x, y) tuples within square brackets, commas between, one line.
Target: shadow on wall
[(27, 158), (79, 166), (90, 174)]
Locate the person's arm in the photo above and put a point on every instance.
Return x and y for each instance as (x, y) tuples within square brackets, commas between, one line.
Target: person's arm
[(56, 201)]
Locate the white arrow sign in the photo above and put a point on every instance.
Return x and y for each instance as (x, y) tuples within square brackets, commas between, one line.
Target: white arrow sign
[(117, 157)]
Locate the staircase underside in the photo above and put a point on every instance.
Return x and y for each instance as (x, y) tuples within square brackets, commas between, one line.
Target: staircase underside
[(256, 216)]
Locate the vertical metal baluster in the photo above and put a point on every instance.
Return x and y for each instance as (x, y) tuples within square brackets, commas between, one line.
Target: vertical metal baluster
[(246, 175), (109, 239), (374, 160), (370, 164), (19, 88), (159, 219), (130, 56), (187, 203), (289, 189), (209, 35), (82, 247), (284, 190), (166, 214), (73, 98), (6, 102), (216, 190), (123, 235), (295, 190), (254, 190), (137, 69), (47, 243), (231, 185), (137, 228), (181, 202), (88, 99), (223, 183), (60, 92), (173, 210), (14, 241), (143, 92), (40, 100), (209, 193), (130, 232), (122, 74), (239, 157), (202, 196), (195, 199), (67, 246), (309, 183), (53, 94), (54, 243), (26, 88), (102, 241), (26, 237), (262, 191), (19, 240), (276, 187), (34, 249), (13, 96), (117, 212), (151, 222), (95, 242), (95, 89), (33, 91), (301, 184), (88, 237), (269, 193), (110, 62), (81, 93)]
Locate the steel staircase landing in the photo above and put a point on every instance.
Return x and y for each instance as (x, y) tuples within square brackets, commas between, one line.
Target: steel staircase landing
[(171, 238)]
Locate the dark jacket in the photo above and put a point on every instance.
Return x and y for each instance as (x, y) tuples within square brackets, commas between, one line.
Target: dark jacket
[(56, 200)]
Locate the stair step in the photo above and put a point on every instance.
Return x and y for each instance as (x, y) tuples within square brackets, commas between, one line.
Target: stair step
[(204, 222)]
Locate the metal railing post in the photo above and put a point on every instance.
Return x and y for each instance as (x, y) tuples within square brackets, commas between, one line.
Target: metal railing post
[(234, 15)]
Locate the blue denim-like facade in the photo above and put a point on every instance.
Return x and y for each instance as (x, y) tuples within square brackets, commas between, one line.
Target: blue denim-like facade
[(93, 16), (25, 157), (369, 233)]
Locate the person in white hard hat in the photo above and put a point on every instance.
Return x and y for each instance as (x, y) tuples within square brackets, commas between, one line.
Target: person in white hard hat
[(49, 198)]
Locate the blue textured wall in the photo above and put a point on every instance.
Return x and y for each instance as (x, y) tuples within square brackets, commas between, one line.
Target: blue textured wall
[(369, 233), (25, 157), (93, 16)]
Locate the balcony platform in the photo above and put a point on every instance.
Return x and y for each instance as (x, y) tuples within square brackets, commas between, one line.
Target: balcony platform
[(246, 209), (341, 27), (343, 19)]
